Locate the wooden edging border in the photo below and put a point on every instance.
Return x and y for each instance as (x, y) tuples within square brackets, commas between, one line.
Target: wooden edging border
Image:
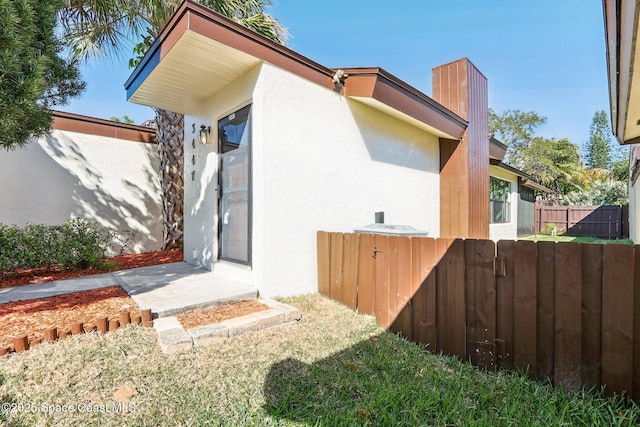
[(102, 325)]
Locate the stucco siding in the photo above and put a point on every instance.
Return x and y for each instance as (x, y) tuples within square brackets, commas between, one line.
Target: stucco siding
[(111, 181), (329, 163), (320, 161), (506, 231)]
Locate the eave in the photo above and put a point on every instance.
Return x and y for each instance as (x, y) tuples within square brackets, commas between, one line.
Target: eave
[(199, 52), (497, 150), (523, 178), (623, 64), (384, 91)]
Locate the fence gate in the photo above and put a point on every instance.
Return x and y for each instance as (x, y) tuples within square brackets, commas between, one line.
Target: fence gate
[(564, 311)]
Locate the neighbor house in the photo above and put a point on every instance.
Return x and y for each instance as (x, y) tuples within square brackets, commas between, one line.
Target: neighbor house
[(512, 195), (622, 32), (100, 170), (278, 147)]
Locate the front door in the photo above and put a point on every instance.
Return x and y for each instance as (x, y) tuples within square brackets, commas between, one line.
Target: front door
[(234, 230)]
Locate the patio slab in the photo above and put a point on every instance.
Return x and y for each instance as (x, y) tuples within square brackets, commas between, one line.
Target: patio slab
[(175, 288), (166, 289)]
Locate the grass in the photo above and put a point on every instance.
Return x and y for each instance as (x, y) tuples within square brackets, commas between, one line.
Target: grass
[(543, 238), (333, 368)]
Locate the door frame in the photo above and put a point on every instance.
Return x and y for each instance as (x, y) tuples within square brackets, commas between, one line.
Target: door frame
[(249, 187)]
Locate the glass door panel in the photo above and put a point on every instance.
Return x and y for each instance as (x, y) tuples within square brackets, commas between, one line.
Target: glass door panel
[(235, 184)]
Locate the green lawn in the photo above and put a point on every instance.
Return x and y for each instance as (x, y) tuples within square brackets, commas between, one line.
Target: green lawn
[(542, 238), (334, 368)]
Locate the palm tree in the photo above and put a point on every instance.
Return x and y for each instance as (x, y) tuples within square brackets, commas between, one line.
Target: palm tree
[(102, 28)]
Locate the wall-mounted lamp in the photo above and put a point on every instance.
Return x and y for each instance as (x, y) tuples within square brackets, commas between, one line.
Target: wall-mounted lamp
[(205, 131)]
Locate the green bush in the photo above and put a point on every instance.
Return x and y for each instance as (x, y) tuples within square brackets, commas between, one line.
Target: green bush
[(549, 229), (77, 243)]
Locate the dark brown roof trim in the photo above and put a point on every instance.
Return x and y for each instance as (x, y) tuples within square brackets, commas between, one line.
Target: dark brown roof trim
[(497, 149), (93, 126), (535, 185), (526, 180), (195, 17), (384, 87)]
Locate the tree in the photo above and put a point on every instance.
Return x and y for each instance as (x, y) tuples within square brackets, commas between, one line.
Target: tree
[(554, 163), (620, 163), (598, 148), (516, 129), (34, 74), (602, 192), (102, 27)]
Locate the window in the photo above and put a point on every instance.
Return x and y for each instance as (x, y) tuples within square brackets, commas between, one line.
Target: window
[(499, 193)]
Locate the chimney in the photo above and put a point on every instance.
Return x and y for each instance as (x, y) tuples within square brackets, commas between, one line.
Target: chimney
[(464, 164)]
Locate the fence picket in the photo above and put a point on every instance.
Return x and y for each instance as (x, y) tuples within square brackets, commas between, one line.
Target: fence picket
[(381, 286), (402, 323), (335, 271), (366, 274), (504, 304), (450, 291), (546, 287), (423, 278), (524, 306), (591, 313), (351, 243), (568, 309), (481, 303), (617, 318), (324, 266), (392, 308)]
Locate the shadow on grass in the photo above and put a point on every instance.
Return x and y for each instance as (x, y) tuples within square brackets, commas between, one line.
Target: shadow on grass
[(388, 381), (382, 381)]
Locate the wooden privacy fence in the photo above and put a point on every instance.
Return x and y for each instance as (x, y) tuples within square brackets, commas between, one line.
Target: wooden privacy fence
[(609, 222), (565, 311)]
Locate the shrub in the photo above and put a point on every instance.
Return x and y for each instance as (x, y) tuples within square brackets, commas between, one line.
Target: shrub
[(549, 230), (77, 243)]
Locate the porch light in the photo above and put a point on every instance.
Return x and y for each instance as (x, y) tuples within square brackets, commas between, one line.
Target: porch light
[(205, 131)]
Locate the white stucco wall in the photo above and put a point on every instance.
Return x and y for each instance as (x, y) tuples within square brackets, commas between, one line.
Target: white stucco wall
[(507, 231), (113, 182), (320, 162)]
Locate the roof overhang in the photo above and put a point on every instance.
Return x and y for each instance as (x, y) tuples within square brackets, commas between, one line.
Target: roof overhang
[(497, 150), (523, 178), (623, 63), (384, 91), (199, 52)]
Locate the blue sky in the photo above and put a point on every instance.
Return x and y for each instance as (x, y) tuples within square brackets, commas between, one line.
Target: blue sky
[(543, 55)]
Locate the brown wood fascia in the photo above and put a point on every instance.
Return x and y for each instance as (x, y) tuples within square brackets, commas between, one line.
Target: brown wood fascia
[(93, 126), (192, 16), (497, 149), (384, 87)]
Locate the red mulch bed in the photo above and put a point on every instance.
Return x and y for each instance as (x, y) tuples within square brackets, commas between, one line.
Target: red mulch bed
[(34, 316), (207, 316), (121, 262)]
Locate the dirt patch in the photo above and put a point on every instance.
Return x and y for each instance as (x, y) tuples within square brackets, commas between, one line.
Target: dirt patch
[(33, 317), (207, 316), (121, 262)]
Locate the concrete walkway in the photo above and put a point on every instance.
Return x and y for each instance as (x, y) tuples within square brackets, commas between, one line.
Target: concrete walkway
[(166, 289)]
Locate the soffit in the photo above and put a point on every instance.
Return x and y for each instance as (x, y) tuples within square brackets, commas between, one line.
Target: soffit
[(195, 68)]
